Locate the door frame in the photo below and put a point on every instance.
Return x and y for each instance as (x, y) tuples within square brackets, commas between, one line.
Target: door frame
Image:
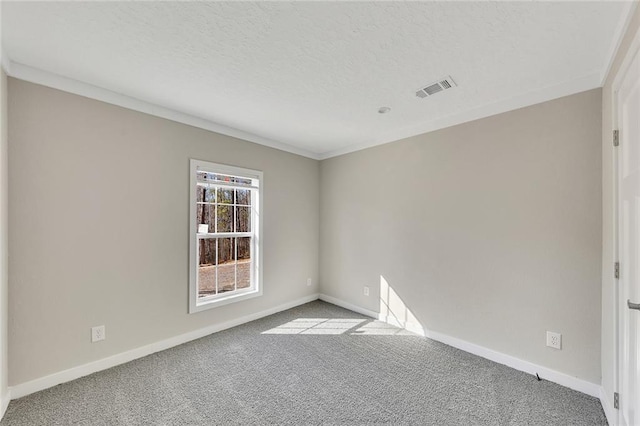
[(634, 48)]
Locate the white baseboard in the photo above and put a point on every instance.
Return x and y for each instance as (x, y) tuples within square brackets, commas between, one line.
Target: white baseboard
[(4, 403), (349, 306), (545, 373), (409, 326), (609, 411), (64, 376), (42, 383)]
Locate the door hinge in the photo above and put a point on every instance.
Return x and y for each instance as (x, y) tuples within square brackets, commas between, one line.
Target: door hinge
[(616, 137), (616, 400), (616, 270)]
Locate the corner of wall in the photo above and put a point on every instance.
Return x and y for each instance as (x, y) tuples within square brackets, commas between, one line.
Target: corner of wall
[(609, 412), (4, 228), (4, 245), (4, 403)]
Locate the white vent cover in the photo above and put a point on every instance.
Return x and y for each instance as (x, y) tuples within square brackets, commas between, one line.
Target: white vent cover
[(435, 87)]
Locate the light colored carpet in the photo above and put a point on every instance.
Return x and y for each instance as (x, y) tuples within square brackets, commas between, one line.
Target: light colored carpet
[(314, 364)]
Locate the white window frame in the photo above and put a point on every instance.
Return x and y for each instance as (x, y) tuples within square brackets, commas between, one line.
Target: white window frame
[(197, 304)]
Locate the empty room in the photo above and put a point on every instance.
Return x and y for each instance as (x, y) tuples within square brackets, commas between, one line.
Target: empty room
[(320, 213)]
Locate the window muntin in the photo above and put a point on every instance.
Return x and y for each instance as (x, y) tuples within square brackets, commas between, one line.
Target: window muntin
[(225, 243)]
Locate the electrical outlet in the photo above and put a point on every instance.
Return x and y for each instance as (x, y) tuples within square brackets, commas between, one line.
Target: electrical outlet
[(366, 291), (308, 281), (98, 333), (554, 340)]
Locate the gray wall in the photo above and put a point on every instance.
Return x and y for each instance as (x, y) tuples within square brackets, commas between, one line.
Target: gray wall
[(608, 211), (489, 231), (99, 228)]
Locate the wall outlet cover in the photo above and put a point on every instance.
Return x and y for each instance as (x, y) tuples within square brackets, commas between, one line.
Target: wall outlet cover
[(98, 333), (554, 340)]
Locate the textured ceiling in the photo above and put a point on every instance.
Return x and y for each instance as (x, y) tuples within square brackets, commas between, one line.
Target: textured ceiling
[(313, 75)]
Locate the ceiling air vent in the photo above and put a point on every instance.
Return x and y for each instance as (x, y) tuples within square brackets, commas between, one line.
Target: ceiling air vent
[(435, 87)]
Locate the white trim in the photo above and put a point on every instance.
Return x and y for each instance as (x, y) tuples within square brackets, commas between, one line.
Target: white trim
[(566, 88), (55, 81), (4, 403), (346, 305), (45, 78), (23, 389), (5, 394), (199, 305), (621, 30), (611, 280), (545, 373), (634, 46), (609, 412), (42, 383), (632, 51), (409, 326)]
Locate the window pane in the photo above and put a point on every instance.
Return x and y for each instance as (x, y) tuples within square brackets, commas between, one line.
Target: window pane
[(225, 196), (226, 264), (199, 193), (244, 262), (211, 220), (243, 196), (205, 218), (202, 215), (243, 219), (225, 218), (210, 194), (206, 267)]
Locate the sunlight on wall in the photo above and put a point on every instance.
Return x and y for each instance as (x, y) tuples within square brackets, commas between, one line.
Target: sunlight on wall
[(395, 319), (394, 311)]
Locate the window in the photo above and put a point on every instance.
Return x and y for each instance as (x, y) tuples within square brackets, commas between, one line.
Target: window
[(225, 238)]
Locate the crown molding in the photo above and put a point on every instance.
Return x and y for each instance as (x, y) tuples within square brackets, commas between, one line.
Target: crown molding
[(566, 88), (23, 72), (621, 30), (55, 81)]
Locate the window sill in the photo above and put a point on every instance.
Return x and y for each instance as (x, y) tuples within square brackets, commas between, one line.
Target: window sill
[(205, 304)]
